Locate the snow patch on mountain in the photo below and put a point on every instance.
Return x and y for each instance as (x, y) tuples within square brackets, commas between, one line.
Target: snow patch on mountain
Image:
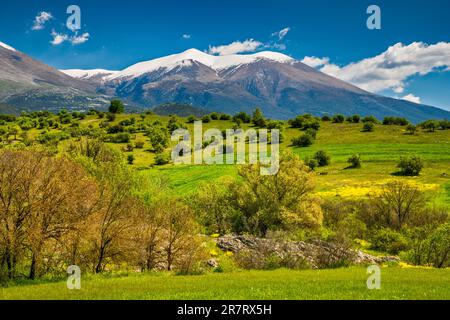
[(217, 63), (4, 45), (88, 74)]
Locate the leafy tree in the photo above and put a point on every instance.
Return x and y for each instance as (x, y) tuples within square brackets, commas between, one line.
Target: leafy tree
[(411, 129), (410, 166), (206, 119), (242, 116), (279, 202), (116, 107), (258, 118), (159, 138), (225, 117), (214, 116), (323, 159)]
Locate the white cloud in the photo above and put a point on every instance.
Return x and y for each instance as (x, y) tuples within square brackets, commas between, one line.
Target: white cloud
[(40, 20), (282, 33), (392, 68), (315, 62), (412, 98), (249, 45), (75, 40), (186, 36), (59, 38)]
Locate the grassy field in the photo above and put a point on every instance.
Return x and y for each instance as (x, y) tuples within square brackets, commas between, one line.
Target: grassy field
[(336, 284)]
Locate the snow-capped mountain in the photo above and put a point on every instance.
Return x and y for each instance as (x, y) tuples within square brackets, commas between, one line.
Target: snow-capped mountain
[(280, 85), (186, 58)]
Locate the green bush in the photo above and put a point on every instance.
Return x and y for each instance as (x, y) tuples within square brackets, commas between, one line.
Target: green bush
[(206, 119), (161, 159), (410, 166), (388, 240), (323, 159), (368, 127), (304, 140), (130, 159), (339, 118), (191, 119), (214, 116), (225, 117), (354, 161)]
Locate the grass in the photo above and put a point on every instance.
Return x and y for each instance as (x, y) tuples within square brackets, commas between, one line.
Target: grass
[(335, 284)]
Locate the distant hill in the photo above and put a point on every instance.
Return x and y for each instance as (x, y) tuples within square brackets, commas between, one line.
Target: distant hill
[(179, 109), (28, 84)]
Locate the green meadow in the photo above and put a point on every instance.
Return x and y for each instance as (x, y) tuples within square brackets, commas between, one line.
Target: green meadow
[(334, 284)]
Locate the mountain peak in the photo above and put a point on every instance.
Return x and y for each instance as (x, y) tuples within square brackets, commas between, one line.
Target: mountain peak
[(215, 62), (4, 45)]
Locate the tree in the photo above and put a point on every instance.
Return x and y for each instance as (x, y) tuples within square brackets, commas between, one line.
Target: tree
[(398, 203), (159, 138), (116, 107), (258, 118), (410, 166), (191, 119), (279, 202), (40, 203), (411, 129), (242, 116), (213, 208), (323, 159)]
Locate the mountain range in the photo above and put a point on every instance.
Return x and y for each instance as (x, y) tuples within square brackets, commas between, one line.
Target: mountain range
[(280, 85)]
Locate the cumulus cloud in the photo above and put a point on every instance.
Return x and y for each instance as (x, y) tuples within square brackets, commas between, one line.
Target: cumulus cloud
[(186, 36), (315, 62), (59, 38), (392, 68), (40, 20), (412, 98), (282, 33), (249, 45)]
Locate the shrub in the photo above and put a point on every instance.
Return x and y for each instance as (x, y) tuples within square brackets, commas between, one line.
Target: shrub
[(214, 116), (411, 129), (395, 121), (370, 119), (388, 240), (115, 129), (311, 124), (444, 124), (410, 166), (206, 119), (122, 137), (191, 119), (311, 132), (243, 117), (110, 117), (356, 118), (311, 163), (130, 159), (323, 159), (339, 118), (326, 118), (161, 159), (368, 127), (225, 117), (304, 140), (139, 144), (355, 161), (430, 125)]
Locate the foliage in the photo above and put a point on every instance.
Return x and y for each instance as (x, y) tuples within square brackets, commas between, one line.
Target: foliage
[(116, 107), (410, 166)]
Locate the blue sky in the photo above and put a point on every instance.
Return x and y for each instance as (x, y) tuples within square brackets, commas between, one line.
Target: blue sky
[(123, 33)]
